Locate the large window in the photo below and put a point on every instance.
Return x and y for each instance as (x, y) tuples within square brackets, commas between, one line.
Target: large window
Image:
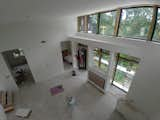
[(101, 59), (156, 36), (142, 22), (135, 22), (93, 23), (107, 23), (125, 71)]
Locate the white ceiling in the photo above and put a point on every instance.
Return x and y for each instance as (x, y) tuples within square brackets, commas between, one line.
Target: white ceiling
[(12, 11)]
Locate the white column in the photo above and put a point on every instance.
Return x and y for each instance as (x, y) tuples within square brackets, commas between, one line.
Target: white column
[(110, 71), (74, 53), (90, 57)]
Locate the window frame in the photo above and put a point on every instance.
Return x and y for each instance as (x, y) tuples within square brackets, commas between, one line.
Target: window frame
[(84, 25), (134, 7), (97, 26), (115, 10), (155, 24), (100, 53), (115, 68), (79, 23), (152, 25)]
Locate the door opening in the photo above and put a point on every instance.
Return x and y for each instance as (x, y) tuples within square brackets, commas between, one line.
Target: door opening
[(82, 56), (18, 66), (66, 48)]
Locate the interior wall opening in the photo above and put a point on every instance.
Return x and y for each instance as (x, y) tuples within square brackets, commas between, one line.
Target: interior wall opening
[(66, 48), (82, 55), (18, 66)]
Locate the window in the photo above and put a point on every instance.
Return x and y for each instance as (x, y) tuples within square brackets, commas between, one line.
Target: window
[(104, 61), (81, 24), (93, 23), (156, 36), (107, 23), (125, 71), (135, 22), (101, 59)]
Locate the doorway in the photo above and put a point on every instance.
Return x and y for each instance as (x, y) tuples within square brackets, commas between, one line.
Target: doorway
[(82, 56), (18, 66), (66, 48)]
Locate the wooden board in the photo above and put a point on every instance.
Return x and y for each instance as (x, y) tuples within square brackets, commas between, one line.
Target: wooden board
[(96, 79), (6, 99)]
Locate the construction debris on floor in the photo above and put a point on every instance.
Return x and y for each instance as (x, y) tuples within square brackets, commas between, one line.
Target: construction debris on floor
[(6, 100), (56, 90), (23, 112), (71, 100)]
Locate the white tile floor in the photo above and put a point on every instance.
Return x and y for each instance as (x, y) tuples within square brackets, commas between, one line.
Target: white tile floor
[(90, 103), (67, 66)]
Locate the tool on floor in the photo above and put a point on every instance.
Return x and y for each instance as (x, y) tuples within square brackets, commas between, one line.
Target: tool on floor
[(71, 100), (56, 90), (23, 112)]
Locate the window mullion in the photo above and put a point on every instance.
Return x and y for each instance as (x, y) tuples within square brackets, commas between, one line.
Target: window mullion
[(115, 66), (117, 22), (100, 57), (78, 23), (86, 23), (153, 23), (98, 23)]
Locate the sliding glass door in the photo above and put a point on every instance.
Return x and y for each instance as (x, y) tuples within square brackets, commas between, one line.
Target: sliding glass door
[(125, 71)]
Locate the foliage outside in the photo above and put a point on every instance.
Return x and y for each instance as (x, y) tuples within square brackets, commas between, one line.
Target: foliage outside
[(107, 23), (92, 23), (104, 55), (135, 22), (129, 63), (156, 36)]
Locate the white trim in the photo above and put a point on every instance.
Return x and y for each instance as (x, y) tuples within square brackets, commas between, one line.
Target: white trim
[(121, 86)]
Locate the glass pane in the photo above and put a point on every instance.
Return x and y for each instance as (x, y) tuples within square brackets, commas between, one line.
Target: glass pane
[(125, 71), (135, 22), (107, 23), (92, 23), (105, 60), (156, 36), (82, 24), (96, 57)]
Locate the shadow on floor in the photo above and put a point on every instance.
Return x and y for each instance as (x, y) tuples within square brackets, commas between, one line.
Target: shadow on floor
[(116, 116)]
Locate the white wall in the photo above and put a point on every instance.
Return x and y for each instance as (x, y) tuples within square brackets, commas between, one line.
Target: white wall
[(146, 84), (45, 60), (6, 80)]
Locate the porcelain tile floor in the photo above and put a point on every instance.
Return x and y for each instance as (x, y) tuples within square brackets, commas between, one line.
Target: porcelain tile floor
[(90, 103)]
